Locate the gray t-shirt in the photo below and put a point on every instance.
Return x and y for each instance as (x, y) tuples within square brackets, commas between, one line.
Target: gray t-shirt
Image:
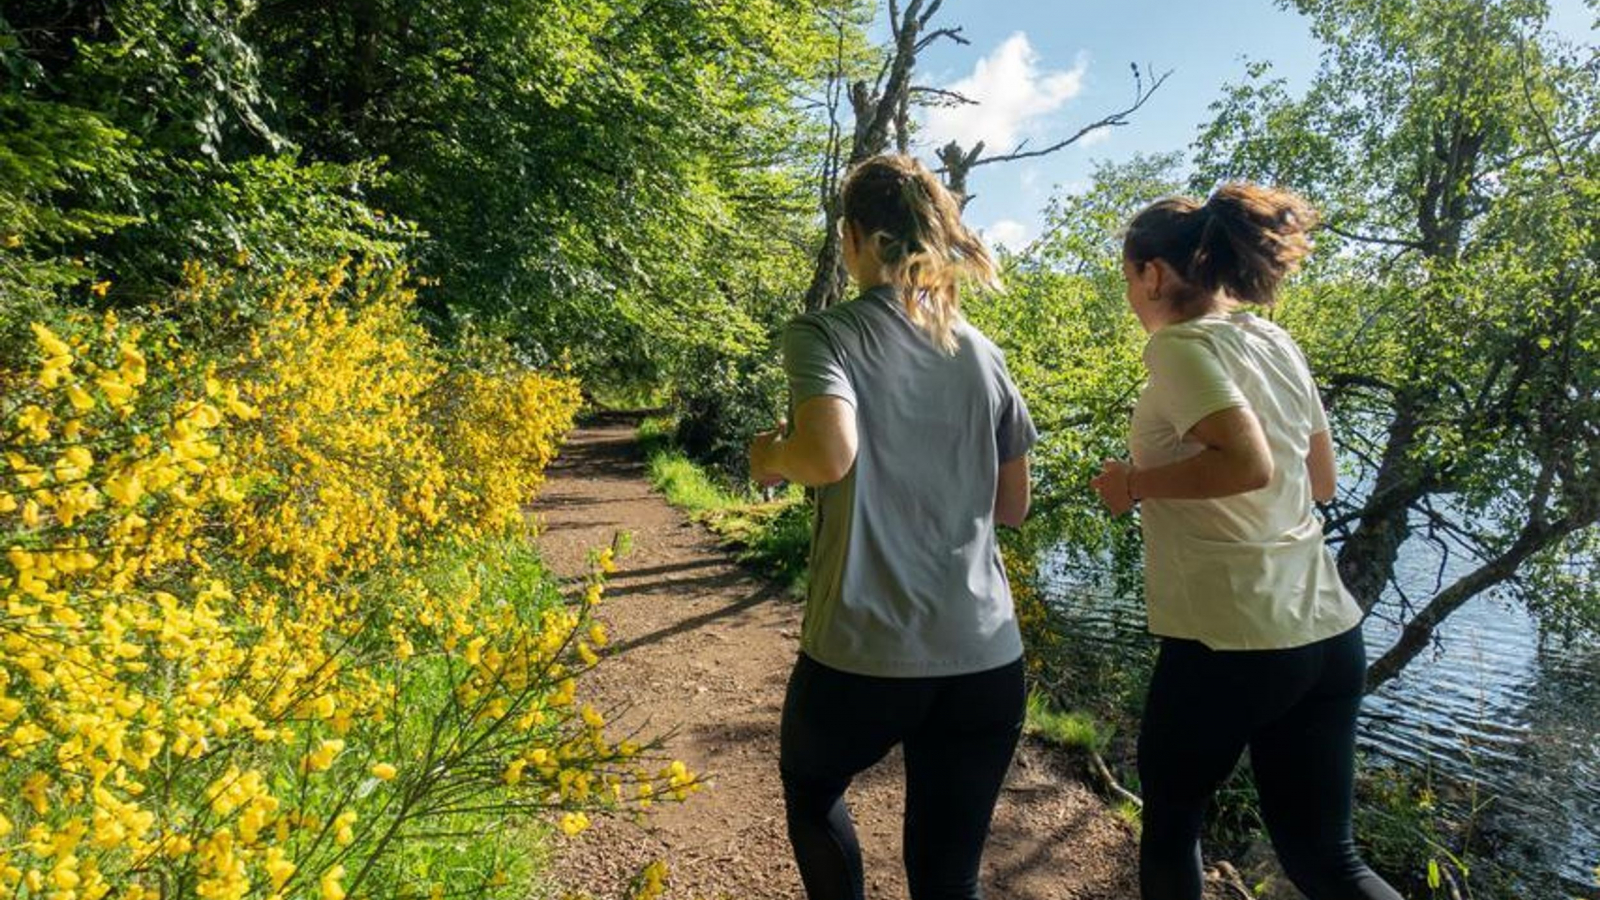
[(906, 578)]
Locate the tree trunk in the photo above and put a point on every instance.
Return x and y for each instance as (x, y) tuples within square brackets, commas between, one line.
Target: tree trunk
[(1367, 558), (829, 278), (958, 164), (876, 114), (361, 78)]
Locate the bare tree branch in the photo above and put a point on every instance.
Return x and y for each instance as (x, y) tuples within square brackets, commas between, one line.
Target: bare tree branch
[(954, 34), (1372, 239), (1116, 119), (957, 164), (949, 97)]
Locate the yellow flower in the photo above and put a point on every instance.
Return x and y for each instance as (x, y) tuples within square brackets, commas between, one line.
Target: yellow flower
[(330, 884), (651, 882), (49, 343), (33, 791), (592, 717), (513, 772), (81, 401), (324, 706), (279, 868), (321, 759), (598, 636), (132, 367), (344, 828), (588, 656), (573, 823), (99, 288), (36, 422), (383, 771), (678, 774)]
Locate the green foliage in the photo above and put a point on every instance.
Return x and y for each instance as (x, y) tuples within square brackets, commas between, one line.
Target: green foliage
[(1074, 730), (722, 400), (134, 143), (1425, 842), (483, 845), (687, 485), (622, 185), (771, 535), (615, 180), (48, 152), (1074, 348)]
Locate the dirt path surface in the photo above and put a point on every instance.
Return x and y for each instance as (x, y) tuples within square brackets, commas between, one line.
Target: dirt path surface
[(708, 646)]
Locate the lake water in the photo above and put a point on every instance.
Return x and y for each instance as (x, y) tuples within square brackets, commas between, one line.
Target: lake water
[(1490, 705)]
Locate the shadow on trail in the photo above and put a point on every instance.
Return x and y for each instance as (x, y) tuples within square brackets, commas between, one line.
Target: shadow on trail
[(707, 562), (618, 578), (607, 454), (762, 595), (728, 578)]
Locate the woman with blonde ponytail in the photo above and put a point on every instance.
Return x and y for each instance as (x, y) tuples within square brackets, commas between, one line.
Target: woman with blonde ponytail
[(1260, 642), (909, 427)]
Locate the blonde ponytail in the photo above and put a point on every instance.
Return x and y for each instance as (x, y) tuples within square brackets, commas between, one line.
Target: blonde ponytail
[(927, 252)]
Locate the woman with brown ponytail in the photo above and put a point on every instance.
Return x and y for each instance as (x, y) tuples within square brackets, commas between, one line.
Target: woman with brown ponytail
[(1260, 642), (908, 425)]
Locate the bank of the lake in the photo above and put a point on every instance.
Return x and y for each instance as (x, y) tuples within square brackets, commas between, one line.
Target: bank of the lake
[(1493, 714)]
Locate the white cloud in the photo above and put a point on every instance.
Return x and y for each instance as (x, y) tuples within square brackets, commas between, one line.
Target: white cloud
[(1011, 91), (1008, 233), (1097, 136)]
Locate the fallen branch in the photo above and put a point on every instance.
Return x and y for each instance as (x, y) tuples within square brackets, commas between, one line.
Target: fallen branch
[(1098, 765)]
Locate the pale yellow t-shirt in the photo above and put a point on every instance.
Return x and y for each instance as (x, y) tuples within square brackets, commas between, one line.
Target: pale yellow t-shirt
[(1251, 571)]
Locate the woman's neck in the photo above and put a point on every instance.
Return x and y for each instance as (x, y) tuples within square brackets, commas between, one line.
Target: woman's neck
[(1218, 304)]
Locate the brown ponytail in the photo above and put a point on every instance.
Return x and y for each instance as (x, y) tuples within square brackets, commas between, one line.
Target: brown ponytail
[(915, 224), (1244, 240)]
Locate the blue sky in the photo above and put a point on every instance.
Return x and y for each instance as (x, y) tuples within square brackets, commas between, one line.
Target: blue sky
[(1046, 67)]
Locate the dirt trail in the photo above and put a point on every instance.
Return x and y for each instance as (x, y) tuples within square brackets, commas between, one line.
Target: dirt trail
[(709, 646)]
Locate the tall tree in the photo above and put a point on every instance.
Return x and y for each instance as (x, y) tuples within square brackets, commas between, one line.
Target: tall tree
[(1452, 320), (606, 178), (881, 110)]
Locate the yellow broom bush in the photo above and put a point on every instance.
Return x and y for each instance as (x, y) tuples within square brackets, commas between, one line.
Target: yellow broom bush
[(264, 633)]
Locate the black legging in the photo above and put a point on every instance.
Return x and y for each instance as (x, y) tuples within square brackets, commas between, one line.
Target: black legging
[(959, 733), (1296, 711)]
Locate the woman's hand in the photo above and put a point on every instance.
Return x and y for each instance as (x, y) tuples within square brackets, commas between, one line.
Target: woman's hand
[(820, 449), (1113, 487), (761, 451)]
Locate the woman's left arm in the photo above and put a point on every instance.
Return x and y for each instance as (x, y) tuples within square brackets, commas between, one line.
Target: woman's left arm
[(1235, 460), (819, 450)]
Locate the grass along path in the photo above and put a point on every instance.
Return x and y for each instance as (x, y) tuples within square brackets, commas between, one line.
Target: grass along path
[(708, 646)]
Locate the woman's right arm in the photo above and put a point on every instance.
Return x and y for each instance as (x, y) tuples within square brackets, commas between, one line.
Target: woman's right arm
[(1236, 460)]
